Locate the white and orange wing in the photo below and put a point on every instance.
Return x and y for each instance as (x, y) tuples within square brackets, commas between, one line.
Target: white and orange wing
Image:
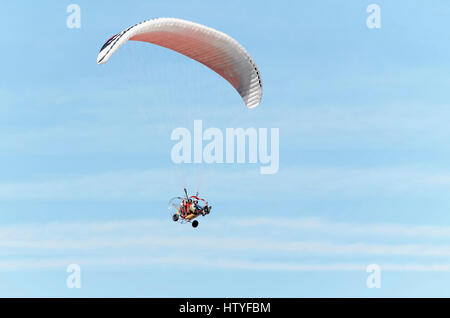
[(213, 48)]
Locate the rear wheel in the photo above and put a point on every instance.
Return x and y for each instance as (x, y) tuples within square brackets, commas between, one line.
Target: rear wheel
[(195, 223)]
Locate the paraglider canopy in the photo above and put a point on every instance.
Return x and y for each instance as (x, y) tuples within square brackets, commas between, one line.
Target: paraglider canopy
[(213, 48)]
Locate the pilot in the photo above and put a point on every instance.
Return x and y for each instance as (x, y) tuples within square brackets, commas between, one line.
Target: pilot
[(197, 207), (184, 207), (192, 208)]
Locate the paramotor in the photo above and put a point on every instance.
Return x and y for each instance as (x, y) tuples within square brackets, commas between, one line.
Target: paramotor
[(186, 209)]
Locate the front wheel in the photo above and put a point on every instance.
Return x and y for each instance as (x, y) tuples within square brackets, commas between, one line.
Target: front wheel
[(195, 223), (175, 217)]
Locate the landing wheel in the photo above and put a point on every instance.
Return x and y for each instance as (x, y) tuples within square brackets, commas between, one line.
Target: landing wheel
[(175, 217), (195, 223)]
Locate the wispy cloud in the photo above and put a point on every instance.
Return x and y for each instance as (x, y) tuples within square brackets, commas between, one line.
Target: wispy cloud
[(139, 235), (220, 263), (146, 184), (344, 228), (302, 248)]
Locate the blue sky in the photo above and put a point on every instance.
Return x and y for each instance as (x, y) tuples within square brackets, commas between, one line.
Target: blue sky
[(86, 174)]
